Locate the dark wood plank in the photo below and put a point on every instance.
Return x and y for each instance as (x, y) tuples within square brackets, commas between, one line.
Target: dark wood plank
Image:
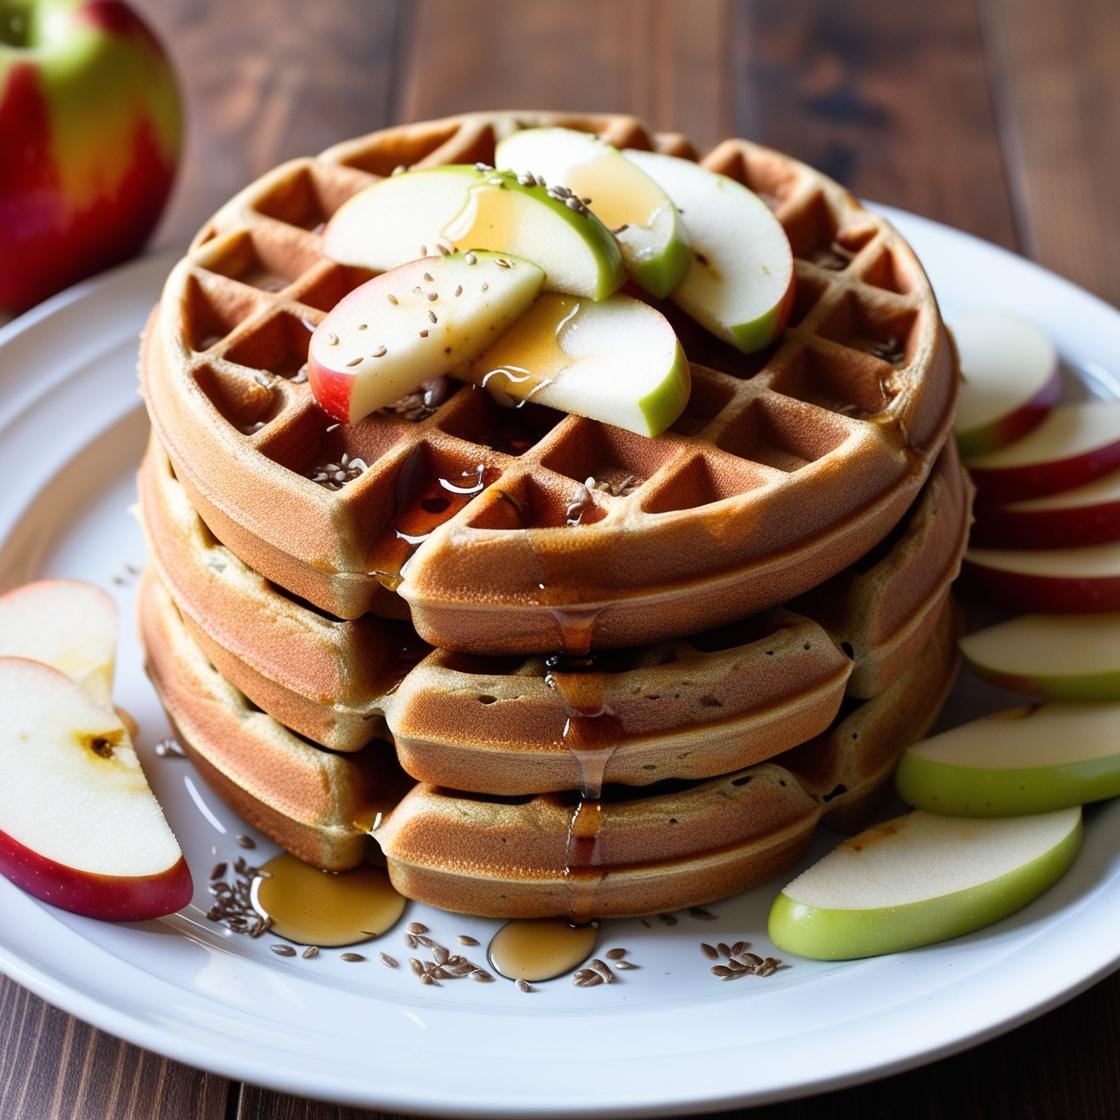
[(660, 59), (53, 1067), (891, 99), (267, 82), (1057, 81)]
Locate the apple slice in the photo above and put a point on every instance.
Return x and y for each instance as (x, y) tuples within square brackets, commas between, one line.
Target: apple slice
[(920, 879), (79, 825), (419, 321), (1011, 379), (1027, 760), (1073, 445), (1052, 580), (1067, 657), (740, 283), (617, 361), (1089, 514), (407, 216), (638, 212), (65, 623)]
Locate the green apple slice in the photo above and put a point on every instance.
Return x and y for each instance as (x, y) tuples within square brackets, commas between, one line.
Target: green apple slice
[(628, 202), (1064, 657), (1027, 760), (410, 215), (413, 323), (618, 361), (920, 879), (740, 283)]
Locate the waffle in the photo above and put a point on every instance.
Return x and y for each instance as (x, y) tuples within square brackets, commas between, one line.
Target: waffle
[(677, 844), (684, 709), (785, 468)]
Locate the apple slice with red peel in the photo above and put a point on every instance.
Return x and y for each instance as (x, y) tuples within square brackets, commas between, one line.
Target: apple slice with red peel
[(416, 322), (1052, 580), (616, 360), (1011, 379), (407, 216), (1064, 657), (1089, 514), (79, 825), (65, 623), (1026, 760), (629, 203), (920, 879), (1074, 445), (741, 281)]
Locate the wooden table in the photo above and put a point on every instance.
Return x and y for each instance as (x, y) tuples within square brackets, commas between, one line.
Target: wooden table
[(996, 116)]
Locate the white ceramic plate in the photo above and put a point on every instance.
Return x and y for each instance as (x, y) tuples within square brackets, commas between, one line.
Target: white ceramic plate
[(668, 1037)]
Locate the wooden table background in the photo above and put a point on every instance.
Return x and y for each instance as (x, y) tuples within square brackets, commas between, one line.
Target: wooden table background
[(1001, 117)]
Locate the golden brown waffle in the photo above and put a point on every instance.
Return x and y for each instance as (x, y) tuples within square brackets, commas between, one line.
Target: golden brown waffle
[(308, 800), (675, 845), (848, 769), (685, 709), (785, 468)]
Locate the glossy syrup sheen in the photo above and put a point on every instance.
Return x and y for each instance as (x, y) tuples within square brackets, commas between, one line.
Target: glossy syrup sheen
[(313, 907), (528, 949)]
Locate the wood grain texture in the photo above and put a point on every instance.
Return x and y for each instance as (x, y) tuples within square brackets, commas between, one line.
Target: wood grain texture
[(891, 99), (1056, 70), (265, 82), (662, 60), (53, 1067)]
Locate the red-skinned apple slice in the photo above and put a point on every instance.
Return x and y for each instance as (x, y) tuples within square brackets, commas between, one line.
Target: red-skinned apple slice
[(1074, 445), (414, 323), (1083, 516), (65, 623), (1053, 580), (740, 284), (1011, 379), (79, 825)]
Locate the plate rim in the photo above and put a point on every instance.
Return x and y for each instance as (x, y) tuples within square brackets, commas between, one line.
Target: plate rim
[(248, 1064)]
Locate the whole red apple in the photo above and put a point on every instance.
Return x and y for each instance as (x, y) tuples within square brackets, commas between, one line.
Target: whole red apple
[(90, 128)]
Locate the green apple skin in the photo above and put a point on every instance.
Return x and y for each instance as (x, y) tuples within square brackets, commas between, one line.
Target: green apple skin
[(557, 154), (662, 405), (839, 935), (973, 791), (453, 185), (1053, 686), (90, 134)]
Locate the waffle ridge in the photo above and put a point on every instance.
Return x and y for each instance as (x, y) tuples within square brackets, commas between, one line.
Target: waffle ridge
[(784, 468)]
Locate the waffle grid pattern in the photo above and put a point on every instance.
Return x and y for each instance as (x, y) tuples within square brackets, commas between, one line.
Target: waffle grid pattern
[(846, 411)]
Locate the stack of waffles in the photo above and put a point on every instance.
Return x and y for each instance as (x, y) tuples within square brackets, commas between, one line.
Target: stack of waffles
[(394, 635)]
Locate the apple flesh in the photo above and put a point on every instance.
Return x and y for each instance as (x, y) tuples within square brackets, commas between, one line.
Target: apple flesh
[(79, 825), (1052, 581), (1028, 760), (90, 128), (406, 216), (920, 879), (1064, 657), (1073, 445), (414, 323), (1011, 380), (629, 203), (64, 623), (617, 361), (740, 283), (1086, 515)]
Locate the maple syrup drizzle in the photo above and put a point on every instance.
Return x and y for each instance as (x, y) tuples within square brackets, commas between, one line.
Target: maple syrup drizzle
[(422, 502), (591, 733), (541, 949), (313, 907)]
